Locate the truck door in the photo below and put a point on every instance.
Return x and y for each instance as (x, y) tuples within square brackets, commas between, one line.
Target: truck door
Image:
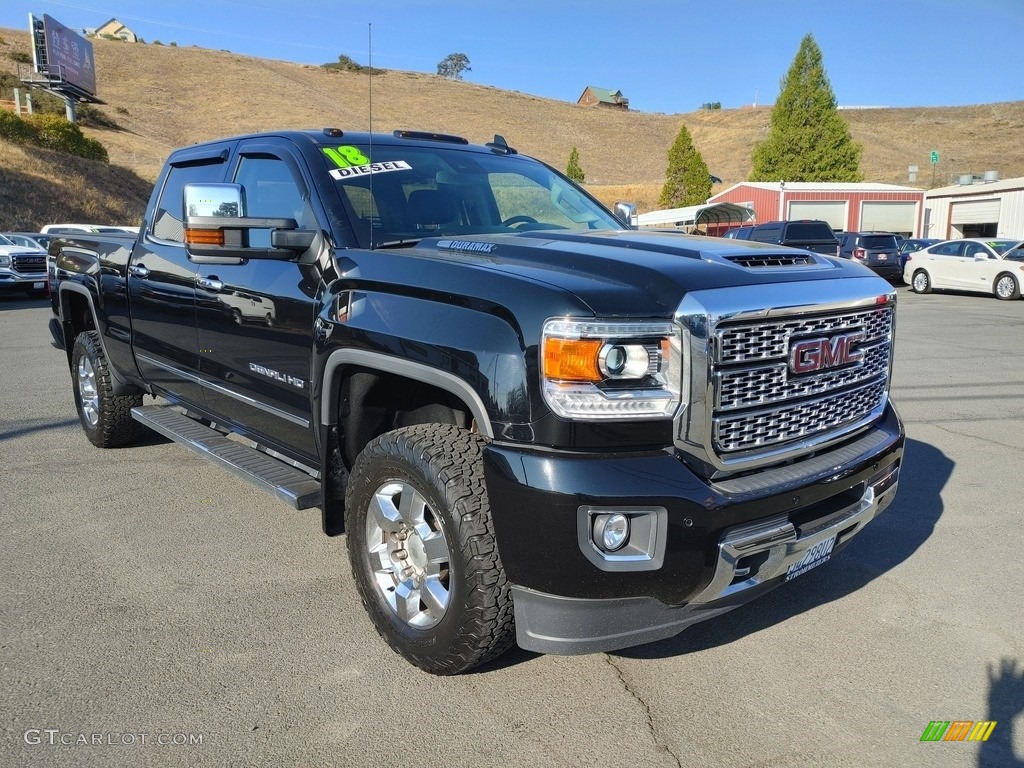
[(255, 318), (161, 283)]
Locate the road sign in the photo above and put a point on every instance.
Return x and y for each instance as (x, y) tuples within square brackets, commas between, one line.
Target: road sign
[(935, 157)]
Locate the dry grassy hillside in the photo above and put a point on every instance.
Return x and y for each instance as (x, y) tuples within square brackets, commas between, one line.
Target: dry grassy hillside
[(165, 96)]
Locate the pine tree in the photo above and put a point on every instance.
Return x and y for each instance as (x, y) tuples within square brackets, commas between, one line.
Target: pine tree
[(687, 181), (573, 170), (808, 139)]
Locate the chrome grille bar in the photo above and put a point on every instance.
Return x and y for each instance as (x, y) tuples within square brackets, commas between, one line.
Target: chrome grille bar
[(754, 398)]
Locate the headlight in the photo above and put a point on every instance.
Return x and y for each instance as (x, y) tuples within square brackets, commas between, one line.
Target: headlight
[(593, 369), (5, 261)]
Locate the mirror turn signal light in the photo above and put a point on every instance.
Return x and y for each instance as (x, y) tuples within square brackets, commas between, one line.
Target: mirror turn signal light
[(204, 237)]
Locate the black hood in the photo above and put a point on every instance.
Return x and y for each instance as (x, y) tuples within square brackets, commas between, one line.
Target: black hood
[(633, 273)]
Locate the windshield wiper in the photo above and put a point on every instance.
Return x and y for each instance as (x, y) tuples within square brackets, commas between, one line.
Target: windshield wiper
[(396, 243)]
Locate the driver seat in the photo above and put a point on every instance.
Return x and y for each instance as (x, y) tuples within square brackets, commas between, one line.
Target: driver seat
[(432, 208)]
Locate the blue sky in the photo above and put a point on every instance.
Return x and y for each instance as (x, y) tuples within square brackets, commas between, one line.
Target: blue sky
[(664, 55)]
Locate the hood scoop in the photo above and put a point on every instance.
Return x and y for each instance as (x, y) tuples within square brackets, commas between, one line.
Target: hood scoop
[(756, 259)]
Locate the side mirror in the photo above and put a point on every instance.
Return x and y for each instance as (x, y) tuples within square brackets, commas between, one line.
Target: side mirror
[(216, 226), (627, 213)]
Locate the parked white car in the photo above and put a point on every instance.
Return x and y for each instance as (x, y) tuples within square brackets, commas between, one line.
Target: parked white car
[(982, 265)]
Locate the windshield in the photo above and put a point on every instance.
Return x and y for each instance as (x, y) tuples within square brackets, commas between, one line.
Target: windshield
[(5, 241), (419, 192), (1002, 246)]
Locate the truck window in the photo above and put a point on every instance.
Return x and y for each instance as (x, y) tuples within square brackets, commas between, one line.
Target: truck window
[(272, 191), (809, 230), (168, 220)]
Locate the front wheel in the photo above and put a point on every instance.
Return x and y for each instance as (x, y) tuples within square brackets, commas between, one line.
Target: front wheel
[(106, 417), (1006, 287), (422, 548), (920, 282)]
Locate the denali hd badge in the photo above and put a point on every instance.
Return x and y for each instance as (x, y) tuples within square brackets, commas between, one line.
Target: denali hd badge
[(809, 355), (284, 378)]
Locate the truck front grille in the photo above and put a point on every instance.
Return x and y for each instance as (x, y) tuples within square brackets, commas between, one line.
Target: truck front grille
[(28, 264), (759, 401)]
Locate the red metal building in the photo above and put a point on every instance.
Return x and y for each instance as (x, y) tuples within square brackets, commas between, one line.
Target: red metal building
[(846, 207)]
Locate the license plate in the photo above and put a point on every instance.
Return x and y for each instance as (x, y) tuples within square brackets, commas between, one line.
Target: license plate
[(38, 286), (883, 257), (813, 557)]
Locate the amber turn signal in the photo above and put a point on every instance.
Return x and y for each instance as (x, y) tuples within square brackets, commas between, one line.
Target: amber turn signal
[(204, 237), (572, 359)]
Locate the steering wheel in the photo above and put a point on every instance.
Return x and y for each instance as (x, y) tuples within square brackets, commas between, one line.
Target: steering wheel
[(519, 220)]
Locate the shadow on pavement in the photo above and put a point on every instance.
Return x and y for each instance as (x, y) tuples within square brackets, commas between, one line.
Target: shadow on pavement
[(1005, 702), (21, 301), (19, 428)]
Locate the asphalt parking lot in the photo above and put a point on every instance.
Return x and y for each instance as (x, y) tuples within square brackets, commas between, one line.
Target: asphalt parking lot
[(167, 614)]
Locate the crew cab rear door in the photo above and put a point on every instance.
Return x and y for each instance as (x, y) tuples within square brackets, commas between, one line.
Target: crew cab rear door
[(161, 281), (255, 316)]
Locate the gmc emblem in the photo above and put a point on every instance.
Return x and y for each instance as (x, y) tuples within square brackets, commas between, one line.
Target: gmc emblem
[(809, 355)]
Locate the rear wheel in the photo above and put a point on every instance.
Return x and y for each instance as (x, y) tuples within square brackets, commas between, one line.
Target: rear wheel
[(1006, 287), (422, 548), (106, 417), (921, 283)]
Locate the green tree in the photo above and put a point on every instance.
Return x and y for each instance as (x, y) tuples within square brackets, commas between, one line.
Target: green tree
[(453, 65), (808, 139), (573, 170), (348, 64), (687, 181)]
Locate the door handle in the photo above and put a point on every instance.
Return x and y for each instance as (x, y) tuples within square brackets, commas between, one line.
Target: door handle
[(210, 283), (138, 270)]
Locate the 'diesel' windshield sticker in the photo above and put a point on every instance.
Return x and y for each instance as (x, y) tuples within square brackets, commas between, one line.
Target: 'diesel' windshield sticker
[(352, 162), (362, 170)]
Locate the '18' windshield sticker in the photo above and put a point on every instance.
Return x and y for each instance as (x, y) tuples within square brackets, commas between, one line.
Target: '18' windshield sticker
[(352, 162)]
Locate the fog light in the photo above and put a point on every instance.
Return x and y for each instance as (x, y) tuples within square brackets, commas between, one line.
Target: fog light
[(611, 532)]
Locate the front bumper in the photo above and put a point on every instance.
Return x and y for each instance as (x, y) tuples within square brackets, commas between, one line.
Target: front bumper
[(724, 545), (13, 281)]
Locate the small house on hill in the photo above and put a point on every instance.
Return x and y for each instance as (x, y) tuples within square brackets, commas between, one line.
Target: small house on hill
[(602, 97), (115, 28)]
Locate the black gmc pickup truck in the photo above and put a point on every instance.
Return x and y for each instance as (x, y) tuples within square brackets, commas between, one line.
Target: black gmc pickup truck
[(532, 422)]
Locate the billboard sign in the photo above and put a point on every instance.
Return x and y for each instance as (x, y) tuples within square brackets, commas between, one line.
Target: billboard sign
[(69, 56)]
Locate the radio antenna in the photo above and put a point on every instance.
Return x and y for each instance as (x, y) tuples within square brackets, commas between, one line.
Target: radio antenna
[(369, 87)]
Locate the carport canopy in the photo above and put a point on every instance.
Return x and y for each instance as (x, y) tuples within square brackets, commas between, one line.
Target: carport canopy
[(715, 214)]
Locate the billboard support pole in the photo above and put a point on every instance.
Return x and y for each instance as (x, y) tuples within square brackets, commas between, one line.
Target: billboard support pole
[(69, 109)]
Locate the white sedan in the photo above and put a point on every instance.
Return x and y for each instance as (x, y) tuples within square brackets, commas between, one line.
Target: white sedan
[(983, 265)]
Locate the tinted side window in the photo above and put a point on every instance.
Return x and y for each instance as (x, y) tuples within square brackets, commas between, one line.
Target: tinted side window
[(169, 219), (271, 191), (766, 234)]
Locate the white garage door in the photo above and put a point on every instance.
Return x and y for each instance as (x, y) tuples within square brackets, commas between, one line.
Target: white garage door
[(832, 211), (889, 216), (976, 212)]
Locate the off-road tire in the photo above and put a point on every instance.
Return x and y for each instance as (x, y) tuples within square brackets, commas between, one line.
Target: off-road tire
[(441, 465), (106, 417)]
